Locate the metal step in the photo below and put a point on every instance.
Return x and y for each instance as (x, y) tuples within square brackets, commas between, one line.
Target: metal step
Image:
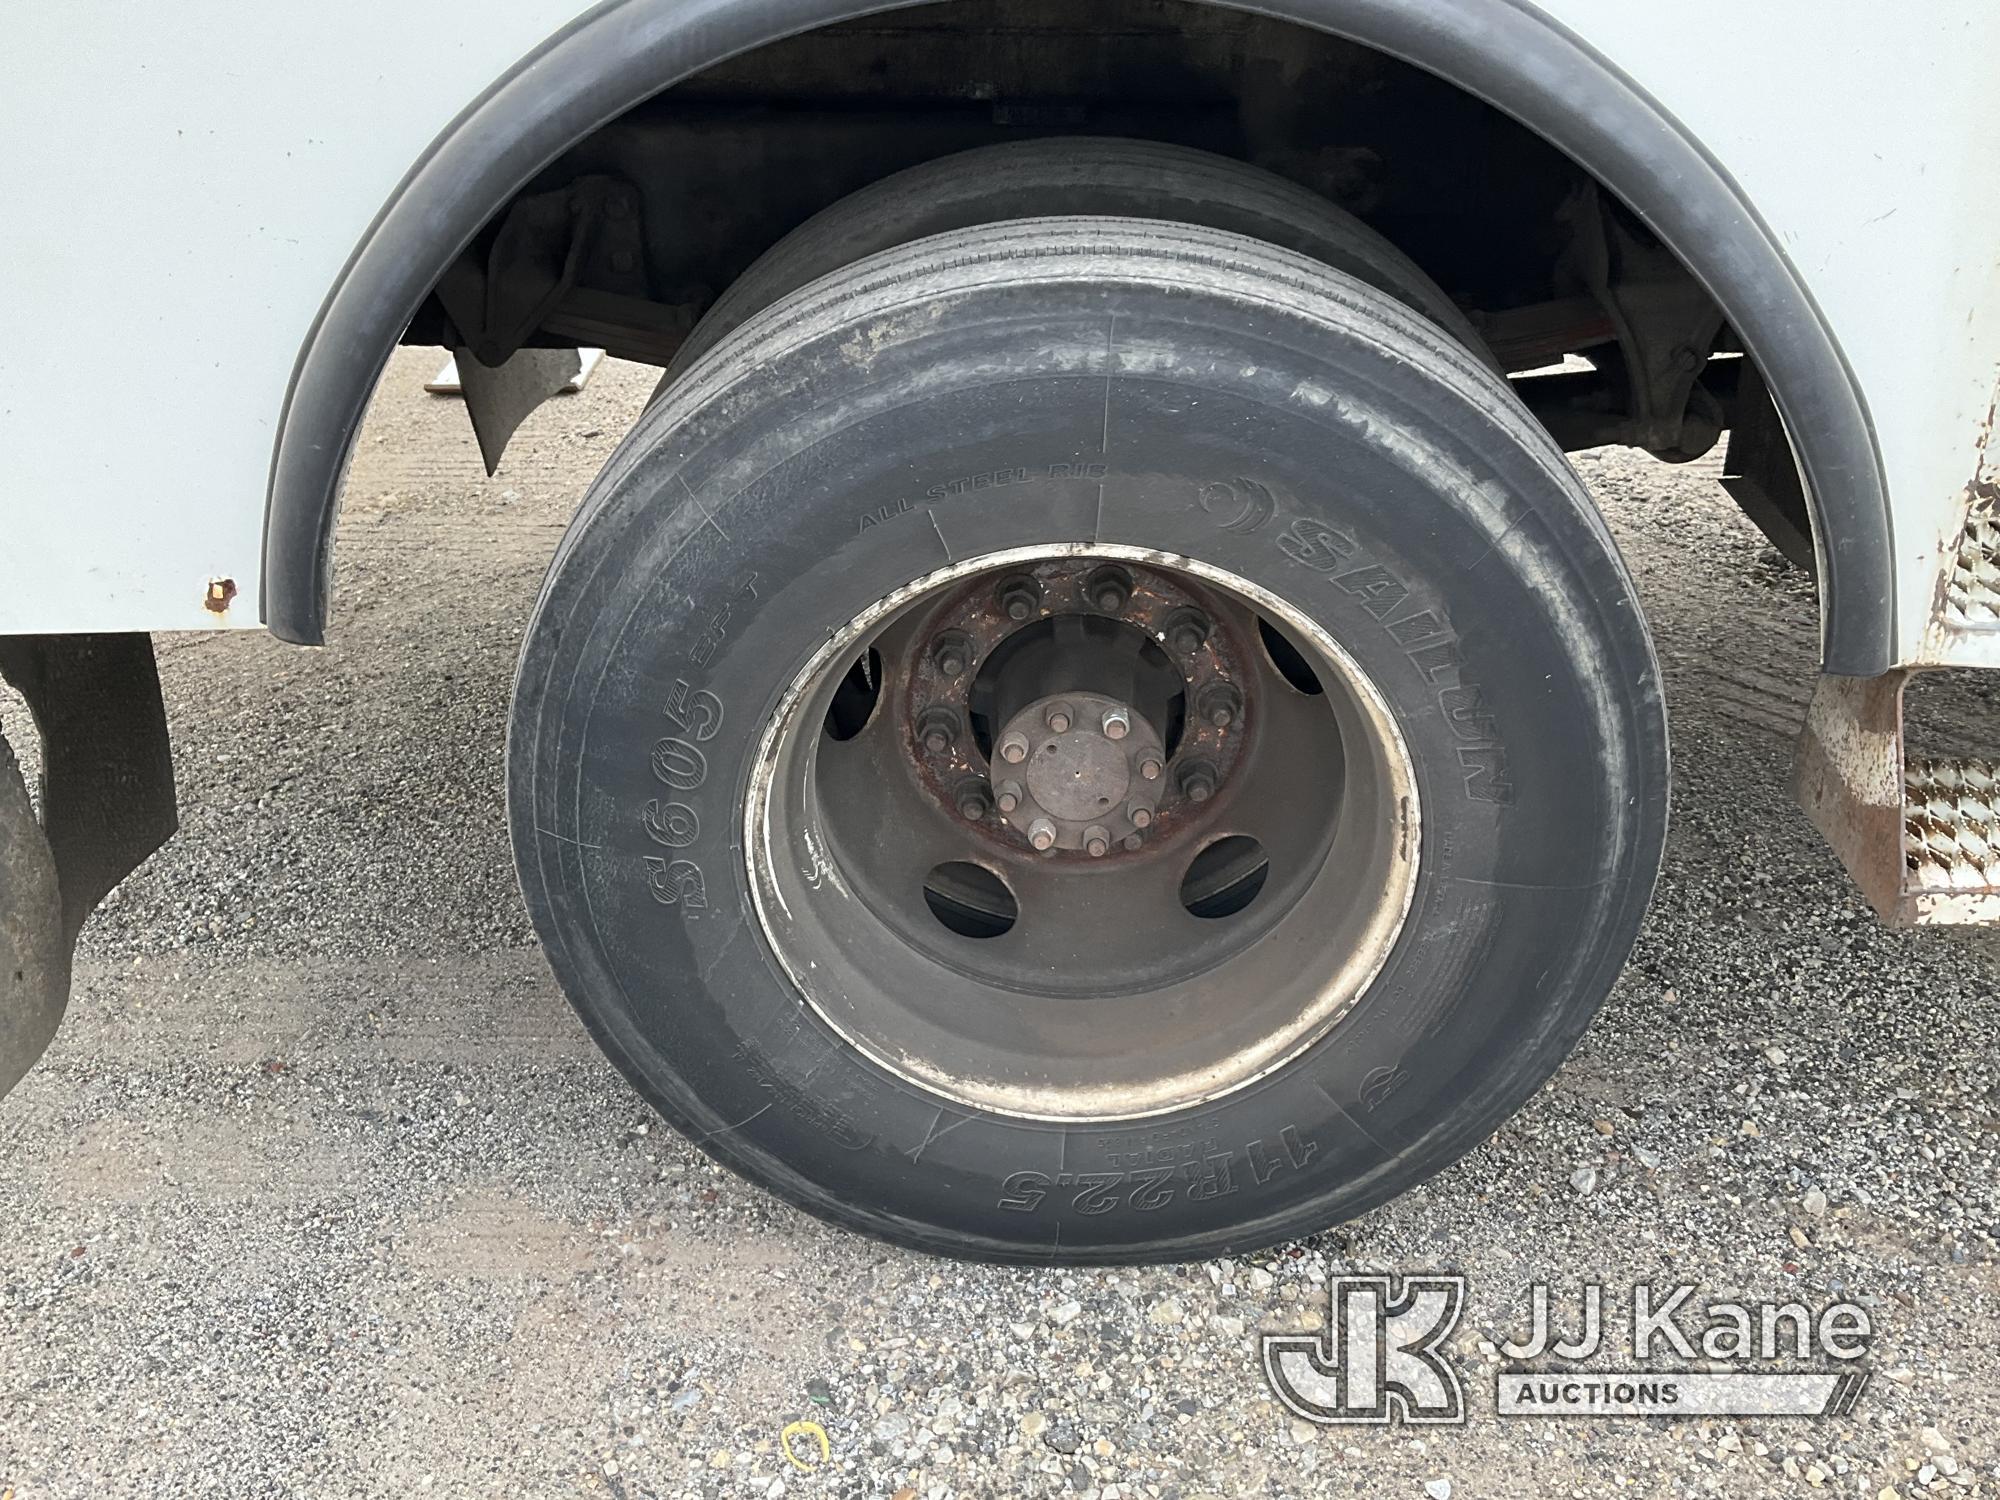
[(1951, 825), (1972, 589), (1920, 837), (1964, 628)]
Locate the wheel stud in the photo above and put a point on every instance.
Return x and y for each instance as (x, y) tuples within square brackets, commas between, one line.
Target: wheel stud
[(1116, 724), (938, 727), (1014, 749), (1008, 795), (1059, 717), (1221, 704), (1198, 781), (952, 652), (1042, 833), (1096, 841), (1149, 768), (1020, 597), (1187, 631), (972, 801), (1142, 817), (1109, 589)]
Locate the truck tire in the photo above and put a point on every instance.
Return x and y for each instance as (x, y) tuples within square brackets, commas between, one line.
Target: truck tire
[(1087, 741), (1102, 177)]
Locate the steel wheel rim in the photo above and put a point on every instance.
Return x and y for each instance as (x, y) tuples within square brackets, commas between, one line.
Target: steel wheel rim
[(963, 1017)]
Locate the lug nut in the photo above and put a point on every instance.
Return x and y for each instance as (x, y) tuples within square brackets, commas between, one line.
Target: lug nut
[(1020, 597), (1198, 781), (1042, 833), (972, 802), (1008, 795), (1109, 589), (1096, 841), (1149, 768), (1187, 631), (952, 652), (1059, 717), (1221, 704), (1014, 749), (1135, 840), (1142, 817), (1116, 723), (938, 727)]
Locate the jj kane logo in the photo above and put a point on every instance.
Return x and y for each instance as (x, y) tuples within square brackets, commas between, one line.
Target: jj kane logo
[(1383, 1356)]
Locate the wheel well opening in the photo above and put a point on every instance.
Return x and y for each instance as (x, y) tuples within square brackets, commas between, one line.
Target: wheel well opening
[(633, 232), (1581, 279)]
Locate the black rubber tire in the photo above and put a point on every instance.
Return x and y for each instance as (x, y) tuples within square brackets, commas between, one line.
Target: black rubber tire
[(1102, 177), (1130, 374)]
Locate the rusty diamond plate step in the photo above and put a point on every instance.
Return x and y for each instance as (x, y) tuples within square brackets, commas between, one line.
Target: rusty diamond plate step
[(1951, 825), (1921, 838), (1972, 587), (1964, 627)]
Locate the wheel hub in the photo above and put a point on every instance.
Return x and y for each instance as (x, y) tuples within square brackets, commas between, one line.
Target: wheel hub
[(1042, 803), (1117, 690), (1078, 771)]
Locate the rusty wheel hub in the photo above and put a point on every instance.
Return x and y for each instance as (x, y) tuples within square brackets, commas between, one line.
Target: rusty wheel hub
[(1068, 775), (1078, 707)]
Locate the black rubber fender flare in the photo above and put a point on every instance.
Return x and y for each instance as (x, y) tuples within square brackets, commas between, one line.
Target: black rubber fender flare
[(1505, 52)]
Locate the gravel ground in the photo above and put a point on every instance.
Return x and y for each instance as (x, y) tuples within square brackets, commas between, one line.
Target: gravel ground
[(323, 1191)]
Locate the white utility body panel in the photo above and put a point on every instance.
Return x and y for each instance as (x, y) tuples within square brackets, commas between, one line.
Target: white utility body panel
[(248, 148)]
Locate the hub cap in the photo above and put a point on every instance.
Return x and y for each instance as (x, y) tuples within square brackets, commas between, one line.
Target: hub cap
[(1073, 772), (1081, 833)]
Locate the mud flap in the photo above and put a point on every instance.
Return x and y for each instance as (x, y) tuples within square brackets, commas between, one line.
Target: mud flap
[(107, 802), (34, 955), (500, 398)]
